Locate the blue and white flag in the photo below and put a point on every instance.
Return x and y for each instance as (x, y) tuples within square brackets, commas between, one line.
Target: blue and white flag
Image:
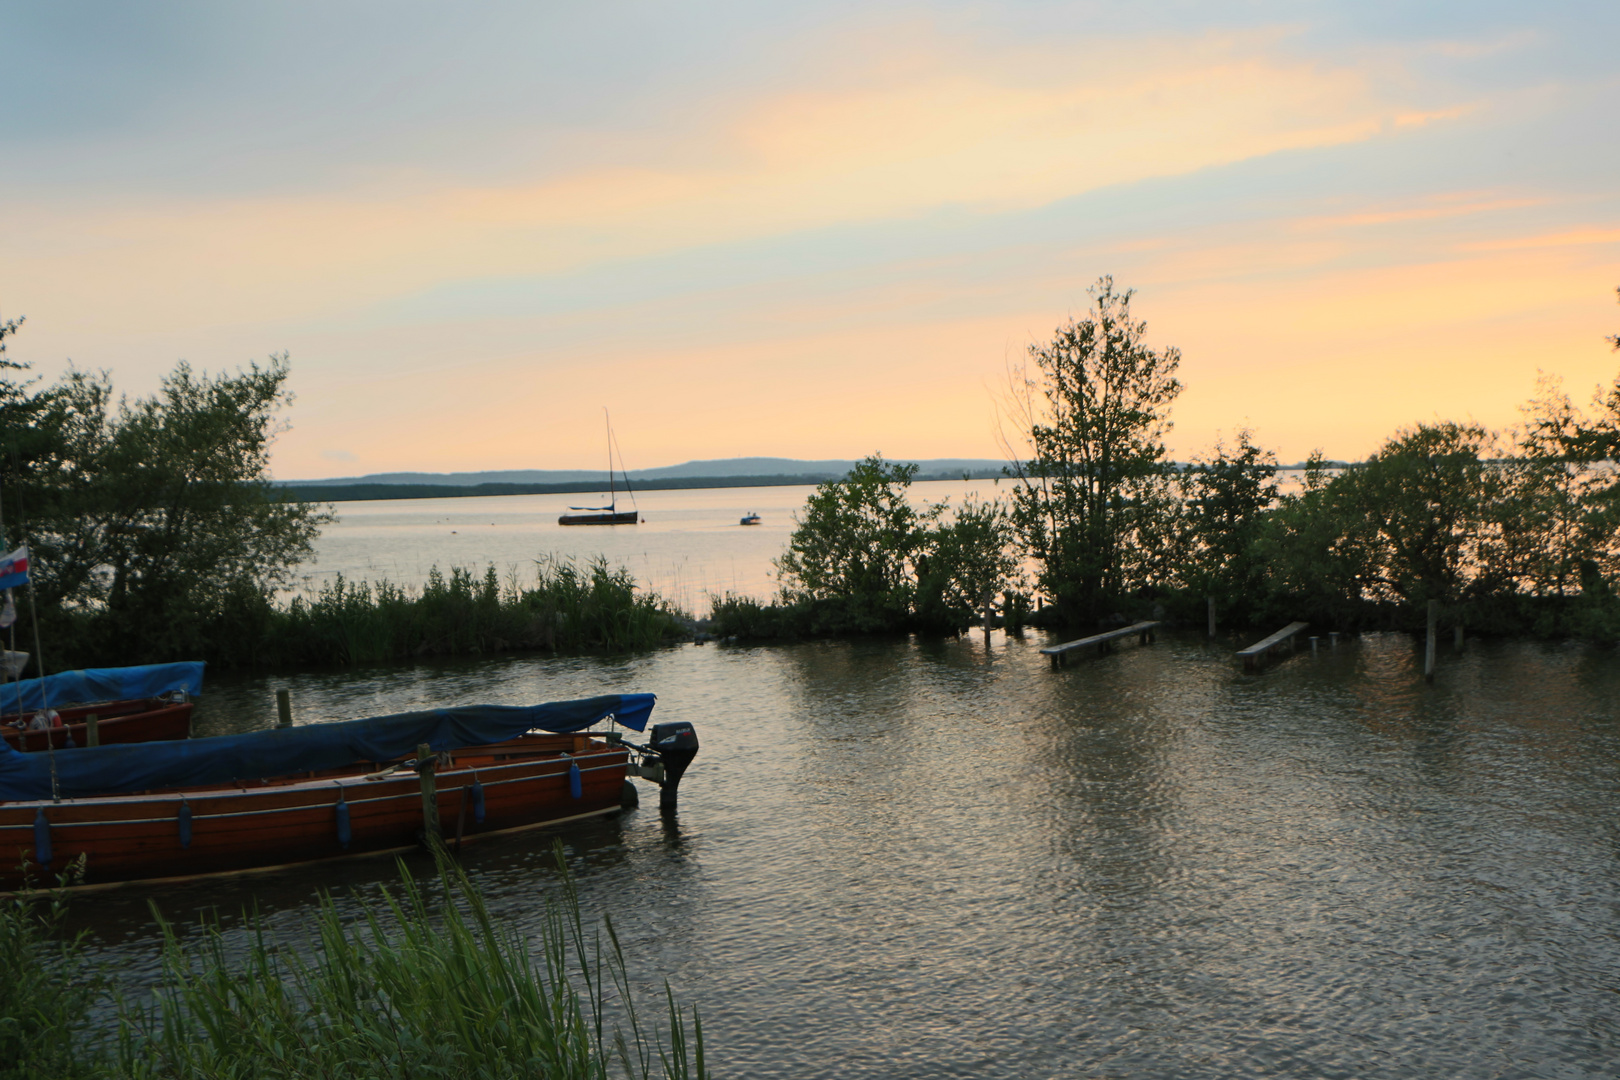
[(14, 568)]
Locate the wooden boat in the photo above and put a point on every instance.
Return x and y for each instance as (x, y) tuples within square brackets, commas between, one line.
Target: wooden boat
[(461, 796), (609, 514), (137, 720)]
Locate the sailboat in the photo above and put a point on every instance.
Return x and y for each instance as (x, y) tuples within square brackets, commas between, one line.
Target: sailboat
[(609, 514)]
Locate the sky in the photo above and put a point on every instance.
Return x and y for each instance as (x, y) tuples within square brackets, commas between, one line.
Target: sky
[(808, 230)]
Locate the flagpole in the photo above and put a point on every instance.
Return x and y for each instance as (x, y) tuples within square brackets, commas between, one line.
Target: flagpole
[(16, 676), (12, 647), (39, 656)]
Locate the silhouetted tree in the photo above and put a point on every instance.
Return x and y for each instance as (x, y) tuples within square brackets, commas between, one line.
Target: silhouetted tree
[(1093, 499)]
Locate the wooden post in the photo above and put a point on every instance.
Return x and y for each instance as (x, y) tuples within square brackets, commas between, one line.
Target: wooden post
[(283, 708), (1212, 617), (92, 730), (1428, 644), (430, 794), (1314, 640), (989, 603)]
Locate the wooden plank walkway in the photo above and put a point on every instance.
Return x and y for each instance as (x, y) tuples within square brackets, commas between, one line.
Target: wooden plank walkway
[(1253, 654), (1059, 653)]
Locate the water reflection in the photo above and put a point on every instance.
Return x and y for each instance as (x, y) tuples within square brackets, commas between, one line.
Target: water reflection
[(923, 859)]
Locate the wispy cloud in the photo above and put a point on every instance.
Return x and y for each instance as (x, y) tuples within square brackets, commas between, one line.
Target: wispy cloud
[(1567, 238)]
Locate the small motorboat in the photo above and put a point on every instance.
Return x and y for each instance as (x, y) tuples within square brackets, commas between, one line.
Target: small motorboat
[(750, 519), (269, 799), (137, 720), (142, 703)]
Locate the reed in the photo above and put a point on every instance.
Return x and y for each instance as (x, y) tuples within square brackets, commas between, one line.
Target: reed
[(50, 988), (408, 990), (568, 608), (411, 989)]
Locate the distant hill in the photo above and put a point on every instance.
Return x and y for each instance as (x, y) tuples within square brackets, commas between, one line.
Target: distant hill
[(729, 467), (732, 472)]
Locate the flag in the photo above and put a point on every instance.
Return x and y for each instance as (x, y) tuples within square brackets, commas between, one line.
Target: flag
[(14, 568), (8, 614)]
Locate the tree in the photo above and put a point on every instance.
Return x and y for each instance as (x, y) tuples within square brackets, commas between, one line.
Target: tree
[(1433, 499), (1227, 498), (1093, 493), (1321, 550), (857, 544), (964, 560), (155, 519), (1558, 528), (1614, 339)]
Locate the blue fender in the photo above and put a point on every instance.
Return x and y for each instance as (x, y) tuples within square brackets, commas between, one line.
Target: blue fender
[(42, 839), (344, 833)]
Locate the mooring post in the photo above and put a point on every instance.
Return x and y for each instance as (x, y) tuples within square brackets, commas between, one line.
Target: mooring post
[(989, 603), (1314, 640), (425, 761), (283, 708), (1212, 617), (1428, 645), (1333, 639), (92, 730)]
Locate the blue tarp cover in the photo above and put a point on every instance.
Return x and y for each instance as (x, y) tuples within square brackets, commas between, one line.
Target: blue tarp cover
[(101, 684), (224, 759)]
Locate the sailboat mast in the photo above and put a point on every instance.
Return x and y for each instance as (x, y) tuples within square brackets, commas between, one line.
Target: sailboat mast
[(607, 423)]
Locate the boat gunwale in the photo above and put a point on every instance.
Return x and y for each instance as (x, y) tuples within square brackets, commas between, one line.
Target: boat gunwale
[(308, 786), (180, 879)]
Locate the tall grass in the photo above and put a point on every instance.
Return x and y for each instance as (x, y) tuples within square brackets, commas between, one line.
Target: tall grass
[(411, 989), (569, 608), (566, 607), (47, 989)]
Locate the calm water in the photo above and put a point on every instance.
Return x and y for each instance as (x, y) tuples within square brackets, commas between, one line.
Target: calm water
[(689, 545), (923, 859)]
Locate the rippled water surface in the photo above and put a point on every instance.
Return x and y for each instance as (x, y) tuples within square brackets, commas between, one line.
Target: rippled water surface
[(926, 859)]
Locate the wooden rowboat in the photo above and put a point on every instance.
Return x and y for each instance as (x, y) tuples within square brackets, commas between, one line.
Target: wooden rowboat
[(328, 790), (137, 720), (522, 783)]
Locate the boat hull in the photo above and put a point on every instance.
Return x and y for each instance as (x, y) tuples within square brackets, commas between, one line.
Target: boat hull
[(141, 720), (258, 825), (630, 517)]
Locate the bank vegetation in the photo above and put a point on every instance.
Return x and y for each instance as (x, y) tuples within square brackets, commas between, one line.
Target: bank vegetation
[(1513, 532), (424, 983)]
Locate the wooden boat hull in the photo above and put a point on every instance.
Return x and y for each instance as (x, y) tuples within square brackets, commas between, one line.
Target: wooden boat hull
[(185, 833), (139, 720), (629, 517)]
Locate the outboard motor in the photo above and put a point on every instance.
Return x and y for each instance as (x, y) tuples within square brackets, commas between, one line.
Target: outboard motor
[(676, 744)]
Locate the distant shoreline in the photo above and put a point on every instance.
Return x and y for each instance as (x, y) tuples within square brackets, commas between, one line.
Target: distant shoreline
[(305, 492)]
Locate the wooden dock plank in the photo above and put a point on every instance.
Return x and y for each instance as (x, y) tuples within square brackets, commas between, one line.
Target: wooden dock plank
[(1251, 656), (1059, 653)]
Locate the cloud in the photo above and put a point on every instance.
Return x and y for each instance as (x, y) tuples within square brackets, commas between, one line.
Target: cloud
[(1429, 208), (1567, 238), (950, 125)]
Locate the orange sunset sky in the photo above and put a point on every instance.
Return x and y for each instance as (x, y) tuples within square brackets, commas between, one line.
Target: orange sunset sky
[(808, 230)]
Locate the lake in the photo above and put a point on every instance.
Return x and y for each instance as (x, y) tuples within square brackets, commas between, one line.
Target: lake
[(689, 546), (926, 858)]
